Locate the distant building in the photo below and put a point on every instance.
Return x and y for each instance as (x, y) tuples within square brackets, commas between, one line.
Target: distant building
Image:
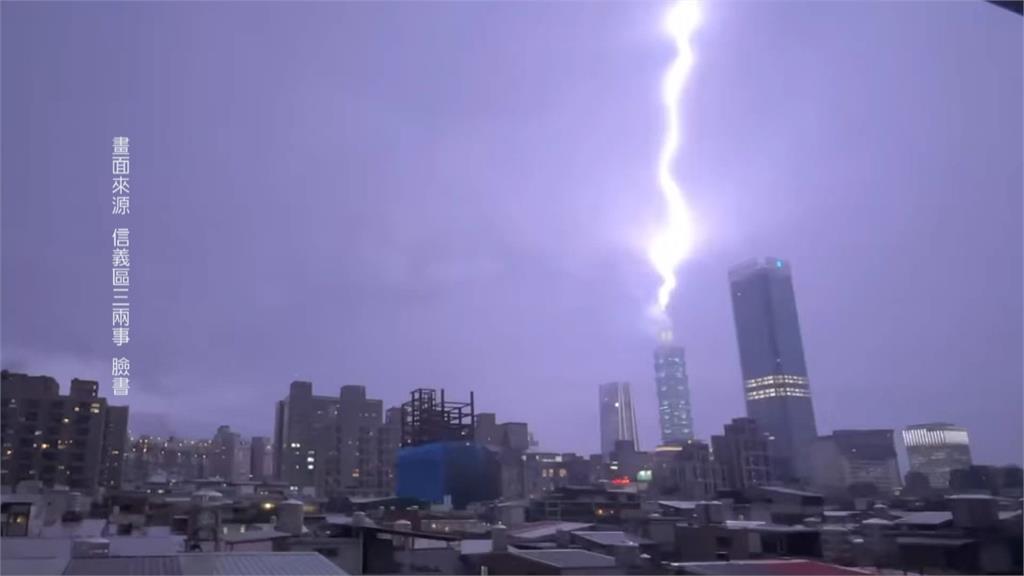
[(142, 460), (509, 442), (618, 420), (115, 446), (305, 436), (178, 458), (1003, 481), (262, 459), (547, 471), (241, 469), (172, 458), (332, 444), (59, 440), (486, 430), (626, 465), (744, 455), (390, 441), (976, 478), (590, 504), (849, 457), (516, 436), (937, 449), (223, 447), (230, 456), (673, 387), (685, 472), (359, 420), (775, 382)]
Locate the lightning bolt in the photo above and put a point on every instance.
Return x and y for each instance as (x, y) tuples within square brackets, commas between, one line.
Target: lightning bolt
[(674, 241)]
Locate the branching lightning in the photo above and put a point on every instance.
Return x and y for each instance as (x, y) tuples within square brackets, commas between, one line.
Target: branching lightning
[(674, 241)]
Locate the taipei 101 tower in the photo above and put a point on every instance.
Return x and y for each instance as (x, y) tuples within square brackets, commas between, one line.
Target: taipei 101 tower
[(673, 388)]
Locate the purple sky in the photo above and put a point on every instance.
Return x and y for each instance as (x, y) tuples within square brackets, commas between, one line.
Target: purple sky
[(459, 194)]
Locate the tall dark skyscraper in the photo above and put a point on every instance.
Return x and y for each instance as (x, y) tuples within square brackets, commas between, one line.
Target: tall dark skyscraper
[(618, 421), (775, 384), (673, 387)]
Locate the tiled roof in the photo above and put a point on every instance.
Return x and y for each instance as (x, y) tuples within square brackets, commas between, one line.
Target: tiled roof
[(767, 568), (253, 536), (258, 564), (926, 518), (568, 559), (207, 564), (32, 566), (612, 538), (545, 529), (124, 566)]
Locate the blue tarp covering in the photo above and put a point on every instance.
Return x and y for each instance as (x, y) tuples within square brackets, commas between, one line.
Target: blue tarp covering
[(468, 472)]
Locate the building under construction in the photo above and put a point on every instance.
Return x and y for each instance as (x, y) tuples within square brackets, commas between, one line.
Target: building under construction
[(439, 461), (428, 417)]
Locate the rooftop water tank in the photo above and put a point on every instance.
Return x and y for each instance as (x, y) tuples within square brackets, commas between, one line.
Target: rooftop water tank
[(290, 516)]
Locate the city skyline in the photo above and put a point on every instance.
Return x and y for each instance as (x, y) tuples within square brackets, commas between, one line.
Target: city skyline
[(277, 241), (677, 287)]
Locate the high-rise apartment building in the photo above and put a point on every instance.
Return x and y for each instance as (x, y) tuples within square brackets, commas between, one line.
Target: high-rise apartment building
[(849, 457), (673, 388), (59, 440), (937, 449), (685, 471), (230, 456), (305, 436), (618, 420), (115, 446), (358, 429), (333, 444), (743, 454), (775, 383)]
